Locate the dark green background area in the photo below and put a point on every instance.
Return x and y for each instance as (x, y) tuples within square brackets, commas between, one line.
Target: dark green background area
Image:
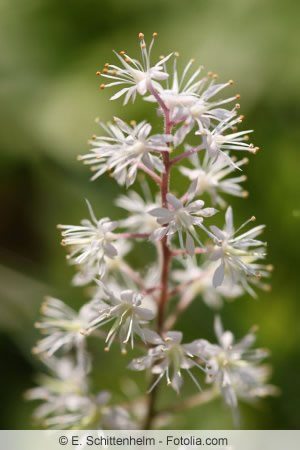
[(49, 98)]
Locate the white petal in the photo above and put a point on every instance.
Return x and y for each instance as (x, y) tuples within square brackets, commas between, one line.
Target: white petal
[(158, 234), (190, 246), (119, 94), (219, 275), (217, 232), (144, 313), (161, 213), (227, 339), (152, 337), (110, 250), (176, 336), (208, 212), (174, 201), (229, 221)]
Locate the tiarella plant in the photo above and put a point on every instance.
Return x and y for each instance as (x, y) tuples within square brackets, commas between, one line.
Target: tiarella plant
[(195, 259)]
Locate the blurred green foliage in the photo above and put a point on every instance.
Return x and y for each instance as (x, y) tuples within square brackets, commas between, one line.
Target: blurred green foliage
[(49, 97)]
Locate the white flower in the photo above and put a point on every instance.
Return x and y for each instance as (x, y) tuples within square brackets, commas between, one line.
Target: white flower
[(211, 176), (238, 254), (168, 358), (135, 74), (138, 219), (62, 325), (182, 217), (190, 100), (124, 149), (66, 403), (128, 314), (202, 111), (217, 143), (233, 367), (197, 281), (90, 242), (189, 97), (113, 266), (182, 92), (205, 109)]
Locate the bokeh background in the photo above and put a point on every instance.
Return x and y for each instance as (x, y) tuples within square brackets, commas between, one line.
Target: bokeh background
[(49, 98)]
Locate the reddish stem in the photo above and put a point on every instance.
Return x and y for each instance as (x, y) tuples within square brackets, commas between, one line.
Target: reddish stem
[(166, 253), (150, 172), (130, 235), (186, 154)]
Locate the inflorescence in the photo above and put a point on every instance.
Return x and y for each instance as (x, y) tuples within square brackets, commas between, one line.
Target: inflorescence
[(195, 258)]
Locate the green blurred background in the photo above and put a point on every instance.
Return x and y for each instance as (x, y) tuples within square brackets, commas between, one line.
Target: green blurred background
[(49, 98)]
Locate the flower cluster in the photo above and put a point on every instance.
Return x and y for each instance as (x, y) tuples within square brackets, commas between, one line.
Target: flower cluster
[(234, 367), (182, 217), (124, 150), (68, 404), (128, 315), (195, 258), (90, 244)]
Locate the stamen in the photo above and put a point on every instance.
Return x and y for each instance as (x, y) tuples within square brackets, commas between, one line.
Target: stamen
[(141, 36), (252, 219)]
